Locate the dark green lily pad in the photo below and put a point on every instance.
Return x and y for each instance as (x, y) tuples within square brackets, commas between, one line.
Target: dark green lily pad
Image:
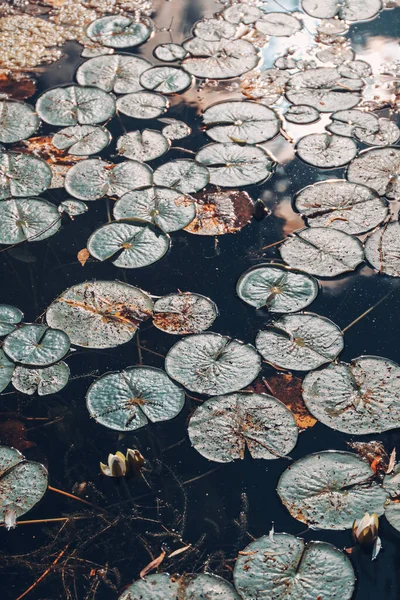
[(36, 345)]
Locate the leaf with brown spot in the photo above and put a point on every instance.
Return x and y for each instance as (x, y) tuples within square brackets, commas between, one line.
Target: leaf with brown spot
[(83, 255)]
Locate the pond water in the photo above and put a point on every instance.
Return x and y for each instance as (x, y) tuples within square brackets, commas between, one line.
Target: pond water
[(183, 498)]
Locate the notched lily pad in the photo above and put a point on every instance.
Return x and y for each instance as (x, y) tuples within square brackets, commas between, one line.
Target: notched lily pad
[(22, 175), (27, 219), (175, 130), (118, 31), (18, 121), (302, 114), (10, 317), (6, 370), (143, 145), (161, 586), (118, 72), (326, 151), (142, 105), (45, 381), (349, 10), (184, 313), (166, 80), (382, 249), (218, 213), (222, 59), (184, 175), (82, 140), (379, 169), (169, 52), (278, 24), (36, 345), (75, 104)]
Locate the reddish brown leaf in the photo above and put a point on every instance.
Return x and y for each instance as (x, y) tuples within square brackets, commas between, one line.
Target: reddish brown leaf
[(42, 146), (15, 86), (152, 565), (83, 255), (14, 433)]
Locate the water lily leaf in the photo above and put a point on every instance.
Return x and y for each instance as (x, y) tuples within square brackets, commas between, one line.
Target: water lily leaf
[(377, 168), (349, 10), (278, 24), (382, 249), (338, 204), (302, 114), (128, 399), (100, 314), (118, 72), (209, 363), (27, 219), (326, 151), (169, 52), (184, 313), (387, 134), (118, 31), (301, 342), (71, 105), (237, 121), (222, 427), (346, 122), (48, 380), (168, 209), (162, 586), (72, 207), (133, 244), (323, 88), (392, 513), (23, 483), (82, 140), (22, 175), (92, 179), (221, 212), (184, 175), (10, 316), (219, 60), (337, 54), (278, 288), (391, 481), (142, 105), (175, 130), (358, 398), (166, 80), (143, 145), (322, 251), (330, 490), (231, 165), (242, 13), (286, 568), (36, 345), (18, 121), (355, 69), (6, 370)]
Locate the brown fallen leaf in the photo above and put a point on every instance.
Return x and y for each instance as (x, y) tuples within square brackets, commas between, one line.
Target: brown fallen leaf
[(152, 565), (43, 147), (14, 433), (83, 255), (374, 452), (16, 86)]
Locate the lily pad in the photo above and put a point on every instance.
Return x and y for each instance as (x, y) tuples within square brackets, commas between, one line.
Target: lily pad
[(131, 245), (166, 80), (278, 24), (82, 140), (326, 151), (22, 175), (72, 207), (36, 345), (379, 169), (231, 165), (382, 249), (117, 72), (18, 121), (276, 287), (184, 175), (73, 104), (6, 370), (349, 10), (242, 13), (387, 134), (168, 209), (322, 251), (175, 130), (347, 122), (92, 179), (302, 114), (169, 52), (162, 586), (48, 380), (218, 213), (301, 342), (27, 219), (142, 105), (358, 398), (184, 313), (129, 399), (100, 314), (330, 490), (214, 29), (338, 204), (284, 567), (209, 363), (355, 69), (223, 427), (118, 31), (10, 317), (237, 121), (143, 145), (219, 60), (23, 483), (392, 513)]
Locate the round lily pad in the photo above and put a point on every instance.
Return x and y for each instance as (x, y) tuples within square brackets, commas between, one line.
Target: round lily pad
[(162, 586), (242, 13), (218, 213), (82, 140), (339, 204), (214, 29), (166, 80), (133, 244), (23, 483), (330, 490), (72, 207), (326, 151), (48, 380), (241, 121), (142, 105), (36, 345), (71, 105), (219, 60), (355, 69), (184, 175), (284, 567), (276, 287), (223, 427), (6, 370), (301, 342), (129, 399), (382, 249), (143, 145), (168, 209), (100, 314), (10, 316), (278, 24), (349, 10), (18, 121), (209, 363), (175, 130), (117, 72), (346, 122), (169, 52), (387, 134), (231, 165), (377, 168), (184, 313), (118, 31), (302, 114), (22, 175), (358, 398), (322, 251), (27, 219)]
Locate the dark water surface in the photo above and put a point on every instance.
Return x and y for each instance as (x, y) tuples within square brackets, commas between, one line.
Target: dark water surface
[(218, 512)]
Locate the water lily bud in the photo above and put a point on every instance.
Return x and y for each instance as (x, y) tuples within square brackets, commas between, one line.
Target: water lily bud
[(134, 460), (365, 531), (116, 465)]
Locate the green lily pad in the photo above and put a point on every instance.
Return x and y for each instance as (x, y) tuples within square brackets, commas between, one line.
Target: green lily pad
[(48, 380), (349, 10), (36, 345), (10, 316), (166, 80), (27, 219), (325, 150), (72, 207), (382, 249), (143, 145), (82, 140), (18, 121), (22, 175), (222, 59), (142, 105), (6, 370), (169, 52), (278, 24), (184, 313), (117, 73), (118, 31), (377, 168), (71, 105), (162, 586), (184, 175)]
